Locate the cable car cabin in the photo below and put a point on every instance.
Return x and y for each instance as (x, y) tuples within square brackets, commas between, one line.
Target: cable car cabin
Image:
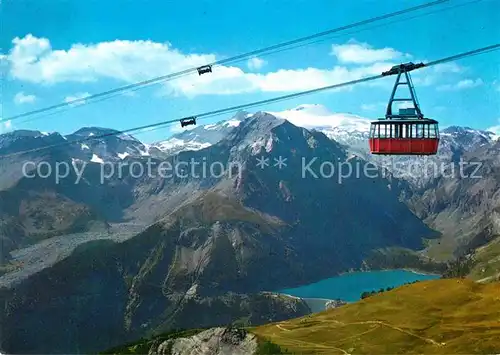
[(204, 69), (406, 132), (404, 137), (188, 121)]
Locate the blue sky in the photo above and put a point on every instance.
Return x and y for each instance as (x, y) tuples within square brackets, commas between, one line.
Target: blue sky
[(57, 50)]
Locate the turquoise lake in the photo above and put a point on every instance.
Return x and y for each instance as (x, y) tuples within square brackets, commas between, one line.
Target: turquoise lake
[(349, 287)]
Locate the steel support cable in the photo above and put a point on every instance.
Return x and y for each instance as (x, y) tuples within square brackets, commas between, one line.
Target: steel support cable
[(236, 58), (257, 103)]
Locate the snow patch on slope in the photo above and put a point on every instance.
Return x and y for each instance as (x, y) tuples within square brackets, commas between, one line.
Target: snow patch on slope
[(123, 155), (96, 159)]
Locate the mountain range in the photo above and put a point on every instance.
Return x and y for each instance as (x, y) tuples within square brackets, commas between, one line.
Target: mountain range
[(208, 244)]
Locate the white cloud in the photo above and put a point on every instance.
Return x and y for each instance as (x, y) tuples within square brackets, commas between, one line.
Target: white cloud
[(256, 63), (5, 126), (21, 98), (461, 85), (495, 130), (363, 53), (79, 96), (34, 60)]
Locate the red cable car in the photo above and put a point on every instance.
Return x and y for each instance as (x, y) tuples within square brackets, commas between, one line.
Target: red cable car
[(408, 132)]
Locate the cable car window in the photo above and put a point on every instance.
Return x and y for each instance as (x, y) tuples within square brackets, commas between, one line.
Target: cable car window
[(432, 131), (420, 130)]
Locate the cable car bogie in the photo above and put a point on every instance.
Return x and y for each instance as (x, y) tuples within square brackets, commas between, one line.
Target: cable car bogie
[(188, 121), (403, 67), (204, 69)]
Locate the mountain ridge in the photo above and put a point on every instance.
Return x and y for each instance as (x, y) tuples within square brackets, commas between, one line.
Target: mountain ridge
[(348, 129)]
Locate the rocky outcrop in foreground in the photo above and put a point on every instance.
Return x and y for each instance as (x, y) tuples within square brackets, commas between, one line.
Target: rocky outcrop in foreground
[(335, 304), (214, 341)]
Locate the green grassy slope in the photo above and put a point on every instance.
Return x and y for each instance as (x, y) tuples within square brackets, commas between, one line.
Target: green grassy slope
[(486, 262), (452, 316)]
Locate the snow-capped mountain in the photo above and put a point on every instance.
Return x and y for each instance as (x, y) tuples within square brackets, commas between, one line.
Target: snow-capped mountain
[(352, 132), (22, 140), (467, 137), (345, 128), (80, 146), (114, 146), (349, 130), (199, 137)]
